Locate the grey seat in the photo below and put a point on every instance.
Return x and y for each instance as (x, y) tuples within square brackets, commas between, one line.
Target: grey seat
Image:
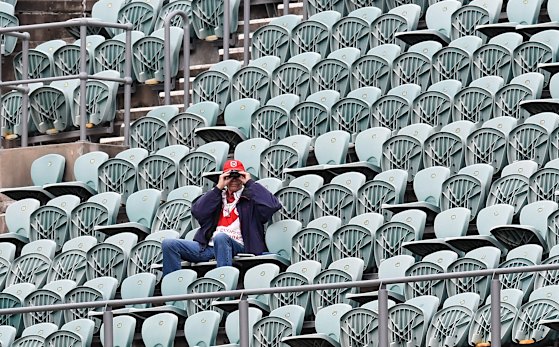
[(434, 263)]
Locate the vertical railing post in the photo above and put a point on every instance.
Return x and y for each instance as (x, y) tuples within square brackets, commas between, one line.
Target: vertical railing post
[(108, 327), (167, 61), (495, 311), (305, 7), (1, 103), (167, 57), (186, 59), (226, 28), (25, 96), (83, 78), (127, 84), (383, 316), (243, 322), (285, 7), (246, 31)]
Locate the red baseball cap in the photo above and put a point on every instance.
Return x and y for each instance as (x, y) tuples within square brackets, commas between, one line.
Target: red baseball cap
[(233, 165)]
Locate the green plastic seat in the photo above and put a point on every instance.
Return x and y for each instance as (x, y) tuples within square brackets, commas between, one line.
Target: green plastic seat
[(17, 219), (402, 18), (271, 121), (495, 57), (478, 259), (374, 69), (75, 333), (148, 53), (317, 6), (333, 72), (311, 117), (215, 280), (141, 208), (249, 151), (327, 326), (448, 146), (525, 255), (232, 325), (508, 99), (110, 258), (403, 227), (297, 198), (201, 328), (71, 263), (512, 187), (468, 188), (405, 150), (52, 221), (11, 126), (518, 13), (109, 55), (34, 336), (434, 106), (350, 112), (41, 63), (527, 325), (532, 228), (300, 273), (141, 14), (52, 106), (314, 241), (177, 21), (52, 293), (7, 335), (343, 270), (550, 277), (313, 34), (388, 187), (7, 254), (148, 252), (271, 183), (208, 18), (99, 210), (414, 65), (543, 183), (359, 326), (453, 61), (206, 158), (531, 29), (118, 174), (339, 197), (140, 285), (274, 38), (488, 144), (544, 105), (238, 116), (542, 48), (215, 84), (530, 140), (282, 322), (434, 263), (294, 76), (123, 331), (449, 223), (8, 19), (12, 297), (253, 80), (103, 10), (180, 128), (368, 148), (33, 263), (289, 152), (353, 30), (408, 322), (353, 5), (66, 59), (150, 132), (450, 324), (475, 102), (474, 13), (98, 289), (160, 170), (393, 109), (160, 330)]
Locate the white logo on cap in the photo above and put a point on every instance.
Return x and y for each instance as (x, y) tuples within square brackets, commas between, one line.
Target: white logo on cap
[(233, 163)]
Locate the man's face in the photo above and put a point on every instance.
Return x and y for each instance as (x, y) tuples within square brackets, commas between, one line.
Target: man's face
[(234, 185)]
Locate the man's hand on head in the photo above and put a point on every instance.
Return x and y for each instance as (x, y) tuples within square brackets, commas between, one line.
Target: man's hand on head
[(224, 179), (245, 177)]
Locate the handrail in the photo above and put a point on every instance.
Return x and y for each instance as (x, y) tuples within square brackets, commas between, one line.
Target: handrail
[(243, 293), (83, 76), (186, 56)]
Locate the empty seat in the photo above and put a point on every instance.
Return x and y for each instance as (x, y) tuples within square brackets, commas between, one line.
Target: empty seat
[(350, 113), (35, 335), (447, 147), (522, 88), (360, 324), (118, 174), (176, 21), (316, 6), (314, 241), (148, 252), (297, 198), (414, 65), (79, 332), (271, 121), (160, 170), (110, 257), (547, 104), (182, 126), (525, 255), (282, 322), (433, 263), (294, 76), (52, 293), (219, 279), (274, 38), (123, 330), (408, 322), (200, 329), (41, 62), (33, 263), (253, 80), (339, 197), (434, 106), (7, 254), (397, 19), (52, 221), (11, 297), (311, 117), (544, 182), (495, 57), (98, 289), (475, 102), (531, 29), (8, 19), (99, 210), (313, 34), (150, 132), (388, 187), (215, 84), (160, 330), (518, 13), (7, 334), (208, 18), (109, 55), (289, 152), (206, 158), (454, 60), (18, 218), (542, 48), (140, 14), (353, 30), (512, 187), (530, 140), (374, 69), (334, 72), (71, 263), (11, 127), (474, 13)]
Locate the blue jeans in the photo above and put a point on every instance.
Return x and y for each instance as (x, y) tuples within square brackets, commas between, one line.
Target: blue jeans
[(175, 250)]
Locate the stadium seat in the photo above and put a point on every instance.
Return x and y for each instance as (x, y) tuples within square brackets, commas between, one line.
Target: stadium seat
[(314, 241), (408, 322), (271, 183), (433, 263), (99, 210), (450, 324), (359, 325), (110, 257), (313, 34), (525, 255), (98, 289), (392, 110), (388, 187), (11, 127), (52, 293), (488, 144), (480, 328), (519, 12), (232, 326), (52, 221), (109, 55), (123, 331), (18, 218), (201, 328), (160, 170), (289, 152), (282, 322), (253, 80), (206, 158), (355, 239), (66, 59), (311, 117), (294, 76), (414, 65), (495, 57), (218, 279), (353, 30), (118, 174), (148, 252), (334, 71), (475, 102), (215, 84), (535, 28), (238, 116), (297, 199), (374, 69), (208, 18), (355, 4), (78, 332), (454, 60), (316, 6), (438, 18), (8, 19), (532, 227), (434, 106), (397, 19), (339, 197), (71, 262), (512, 187), (7, 333), (271, 121), (543, 183), (522, 88), (354, 110), (103, 10), (141, 14), (274, 38), (447, 147), (449, 223), (541, 48), (7, 254), (35, 335), (149, 54), (180, 128), (474, 13), (11, 297), (547, 104), (150, 132), (33, 263), (41, 62), (160, 330)]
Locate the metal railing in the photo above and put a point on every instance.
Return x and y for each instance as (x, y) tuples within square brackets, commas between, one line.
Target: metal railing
[(243, 303), (22, 32)]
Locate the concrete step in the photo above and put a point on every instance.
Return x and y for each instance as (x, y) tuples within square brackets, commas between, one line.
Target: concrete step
[(293, 8)]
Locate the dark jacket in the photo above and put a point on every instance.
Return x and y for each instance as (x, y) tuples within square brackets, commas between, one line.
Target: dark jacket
[(255, 207)]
